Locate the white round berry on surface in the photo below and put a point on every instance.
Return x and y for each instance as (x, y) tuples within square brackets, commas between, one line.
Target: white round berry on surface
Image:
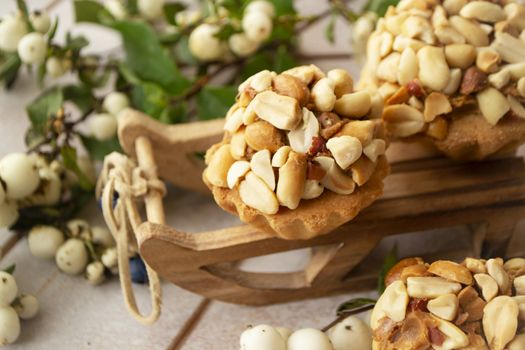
[(10, 329), (351, 333), (261, 6), (115, 102), (40, 21), (101, 235), (284, 332), (95, 272), (72, 257), (79, 228), (103, 126), (116, 9), (44, 241), (241, 45), (55, 67), (309, 339), (109, 258), (8, 288), (19, 174), (8, 213), (26, 306), (12, 29), (204, 45), (262, 337), (32, 48), (257, 26), (151, 9)]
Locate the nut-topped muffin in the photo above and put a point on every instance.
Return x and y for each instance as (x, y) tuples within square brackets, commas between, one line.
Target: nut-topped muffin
[(475, 305), (452, 71), (300, 155)]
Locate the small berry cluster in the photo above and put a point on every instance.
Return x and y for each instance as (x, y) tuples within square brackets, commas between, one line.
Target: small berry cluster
[(254, 29), (79, 248), (13, 307), (351, 333)]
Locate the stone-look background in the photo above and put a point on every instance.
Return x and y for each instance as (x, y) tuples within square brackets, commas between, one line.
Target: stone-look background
[(76, 315)]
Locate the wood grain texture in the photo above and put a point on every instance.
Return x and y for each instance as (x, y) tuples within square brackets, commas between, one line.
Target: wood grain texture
[(424, 192)]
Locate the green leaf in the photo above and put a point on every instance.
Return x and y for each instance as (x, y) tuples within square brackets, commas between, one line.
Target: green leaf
[(88, 11), (22, 7), (10, 269), (283, 7), (380, 6), (390, 260), (52, 31), (256, 63), (9, 67), (69, 158), (174, 114), (45, 105), (171, 9), (150, 98), (147, 59), (226, 31), (99, 149), (354, 305), (214, 101), (76, 43), (283, 59), (33, 138), (80, 95), (183, 52)]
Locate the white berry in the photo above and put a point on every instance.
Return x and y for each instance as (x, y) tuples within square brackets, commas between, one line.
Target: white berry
[(151, 9), (48, 192), (101, 235), (12, 29), (44, 241), (204, 45), (41, 21), (55, 67), (32, 48), (27, 306), (10, 322), (72, 257), (95, 272), (19, 174), (262, 337), (103, 126), (115, 102), (261, 6), (109, 258), (79, 228), (257, 26), (351, 333), (116, 9), (187, 17), (241, 45), (309, 339), (8, 213), (8, 288)]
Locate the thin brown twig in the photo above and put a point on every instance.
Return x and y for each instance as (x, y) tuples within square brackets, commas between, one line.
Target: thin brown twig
[(346, 315)]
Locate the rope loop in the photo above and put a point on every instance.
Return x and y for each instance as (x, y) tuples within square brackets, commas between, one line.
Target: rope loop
[(120, 184)]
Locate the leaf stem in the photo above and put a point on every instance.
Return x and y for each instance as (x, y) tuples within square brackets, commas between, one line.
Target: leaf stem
[(346, 315)]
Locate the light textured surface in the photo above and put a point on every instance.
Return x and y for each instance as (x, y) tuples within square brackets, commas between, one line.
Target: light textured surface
[(76, 315)]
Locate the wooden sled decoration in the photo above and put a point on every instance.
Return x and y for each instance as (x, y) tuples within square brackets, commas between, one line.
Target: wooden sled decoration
[(425, 191)]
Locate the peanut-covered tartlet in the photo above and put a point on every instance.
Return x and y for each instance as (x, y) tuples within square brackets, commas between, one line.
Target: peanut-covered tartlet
[(475, 305), (452, 71), (300, 155)]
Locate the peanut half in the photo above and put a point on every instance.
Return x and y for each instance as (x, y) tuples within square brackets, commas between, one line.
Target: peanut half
[(519, 285), (301, 137), (363, 130), (436, 104), (323, 95), (345, 150), (489, 287), (287, 85), (283, 112), (392, 304), (451, 271), (492, 104), (254, 193), (475, 265), (281, 156), (312, 189), (445, 306), (376, 148), (471, 303), (237, 172), (343, 83), (261, 166), (403, 120), (353, 105), (262, 135), (483, 11), (434, 72), (500, 322), (217, 171), (495, 270), (334, 179), (430, 287), (292, 176), (454, 337)]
